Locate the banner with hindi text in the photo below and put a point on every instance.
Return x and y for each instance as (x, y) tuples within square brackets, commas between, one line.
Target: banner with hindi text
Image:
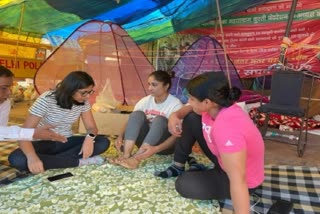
[(253, 37)]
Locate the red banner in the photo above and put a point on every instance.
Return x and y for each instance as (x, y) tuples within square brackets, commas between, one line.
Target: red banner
[(253, 38)]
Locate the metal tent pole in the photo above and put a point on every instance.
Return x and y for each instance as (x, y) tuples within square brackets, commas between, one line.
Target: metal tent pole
[(284, 45)]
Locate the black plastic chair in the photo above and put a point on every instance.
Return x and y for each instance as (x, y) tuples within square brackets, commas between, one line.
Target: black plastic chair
[(286, 93)]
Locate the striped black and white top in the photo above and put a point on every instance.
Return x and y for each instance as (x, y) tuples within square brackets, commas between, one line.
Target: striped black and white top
[(46, 107)]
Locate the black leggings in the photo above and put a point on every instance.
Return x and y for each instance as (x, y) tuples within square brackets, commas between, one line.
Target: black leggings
[(192, 132), (204, 185), (56, 154)]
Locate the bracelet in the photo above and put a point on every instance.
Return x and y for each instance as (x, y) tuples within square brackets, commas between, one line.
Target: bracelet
[(92, 136)]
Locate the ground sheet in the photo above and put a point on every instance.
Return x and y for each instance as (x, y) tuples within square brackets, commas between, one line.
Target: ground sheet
[(298, 184), (101, 189), (112, 189)]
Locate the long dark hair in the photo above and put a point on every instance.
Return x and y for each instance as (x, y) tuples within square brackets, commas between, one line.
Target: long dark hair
[(68, 87), (213, 86), (163, 76)]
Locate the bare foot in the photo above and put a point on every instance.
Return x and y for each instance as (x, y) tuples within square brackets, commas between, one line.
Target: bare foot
[(130, 163), (116, 161)]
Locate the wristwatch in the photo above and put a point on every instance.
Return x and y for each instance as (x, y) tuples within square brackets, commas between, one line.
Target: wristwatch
[(92, 136)]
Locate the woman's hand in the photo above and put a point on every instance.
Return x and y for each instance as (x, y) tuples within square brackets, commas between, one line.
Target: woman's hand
[(45, 133), (175, 120), (175, 125), (145, 151), (87, 147), (35, 165)]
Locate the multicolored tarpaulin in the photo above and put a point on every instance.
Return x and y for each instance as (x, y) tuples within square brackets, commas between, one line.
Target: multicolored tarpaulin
[(144, 20), (253, 29)]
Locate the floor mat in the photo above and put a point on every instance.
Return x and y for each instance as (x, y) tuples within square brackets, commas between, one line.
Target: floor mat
[(112, 189), (5, 149), (7, 173), (101, 189), (298, 184)]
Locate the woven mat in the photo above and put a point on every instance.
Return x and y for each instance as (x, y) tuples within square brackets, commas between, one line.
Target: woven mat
[(7, 173), (298, 184)]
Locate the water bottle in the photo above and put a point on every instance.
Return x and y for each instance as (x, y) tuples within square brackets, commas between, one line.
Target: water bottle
[(276, 134)]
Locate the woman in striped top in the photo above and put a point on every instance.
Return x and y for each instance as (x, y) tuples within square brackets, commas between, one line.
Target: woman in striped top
[(61, 108)]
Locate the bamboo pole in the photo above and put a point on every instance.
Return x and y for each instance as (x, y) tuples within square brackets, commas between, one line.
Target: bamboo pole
[(19, 33)]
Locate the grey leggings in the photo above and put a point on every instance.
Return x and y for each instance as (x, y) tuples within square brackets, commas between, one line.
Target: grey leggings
[(141, 131)]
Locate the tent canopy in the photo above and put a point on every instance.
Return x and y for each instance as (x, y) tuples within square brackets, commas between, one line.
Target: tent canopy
[(144, 20), (109, 55)]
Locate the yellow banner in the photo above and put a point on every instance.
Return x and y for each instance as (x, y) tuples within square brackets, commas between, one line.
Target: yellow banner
[(22, 68)]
